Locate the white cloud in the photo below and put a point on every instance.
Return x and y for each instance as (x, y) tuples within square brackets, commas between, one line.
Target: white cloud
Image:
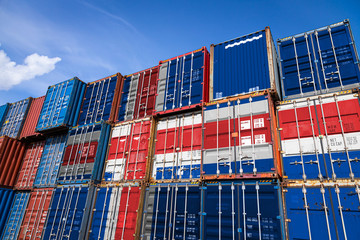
[(34, 65)]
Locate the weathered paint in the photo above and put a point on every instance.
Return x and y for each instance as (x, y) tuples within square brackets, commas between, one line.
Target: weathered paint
[(28, 130)]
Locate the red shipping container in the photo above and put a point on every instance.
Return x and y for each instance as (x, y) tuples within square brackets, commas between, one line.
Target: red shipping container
[(10, 160), (32, 118), (35, 214), (128, 152), (29, 166)]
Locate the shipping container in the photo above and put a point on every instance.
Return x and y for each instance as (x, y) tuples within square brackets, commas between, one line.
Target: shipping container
[(28, 130), (183, 82), (35, 214), (129, 151), (3, 111), (319, 61), (243, 65), (84, 154), (320, 136), (10, 160), (15, 118), (322, 210), (61, 106), (6, 199), (242, 210), (50, 162), (240, 138), (138, 95), (69, 213), (101, 100), (30, 163), (171, 211), (177, 152), (117, 212), (16, 215)]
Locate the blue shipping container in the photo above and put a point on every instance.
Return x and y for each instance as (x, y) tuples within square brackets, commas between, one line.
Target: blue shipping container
[(183, 81), (3, 111), (15, 118), (69, 212), (319, 61), (242, 65), (242, 210), (61, 105), (16, 216), (84, 154), (100, 100), (171, 211), (50, 162), (6, 199), (323, 211)]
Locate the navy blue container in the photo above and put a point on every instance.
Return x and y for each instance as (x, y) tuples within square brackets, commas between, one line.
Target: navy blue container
[(128, 98), (3, 111), (50, 162), (16, 216), (61, 105), (15, 118), (183, 81), (100, 100), (322, 211), (69, 213), (84, 154), (319, 61), (242, 210), (171, 211), (244, 64), (6, 199)]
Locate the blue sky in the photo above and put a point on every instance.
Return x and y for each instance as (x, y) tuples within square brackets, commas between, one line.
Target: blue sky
[(45, 42)]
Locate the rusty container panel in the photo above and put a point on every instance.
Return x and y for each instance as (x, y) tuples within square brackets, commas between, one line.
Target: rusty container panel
[(35, 214), (10, 161), (129, 150), (117, 212), (177, 152), (29, 165), (240, 138), (101, 100), (28, 130), (320, 136), (138, 95)]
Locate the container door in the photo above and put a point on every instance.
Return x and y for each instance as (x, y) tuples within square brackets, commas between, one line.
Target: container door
[(309, 210), (347, 211), (128, 98), (162, 87)]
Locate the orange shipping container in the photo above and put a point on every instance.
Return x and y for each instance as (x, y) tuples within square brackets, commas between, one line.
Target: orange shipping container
[(32, 118)]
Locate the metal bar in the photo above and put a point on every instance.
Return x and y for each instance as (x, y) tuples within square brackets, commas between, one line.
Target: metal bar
[(87, 155), (252, 136), (91, 96), (297, 67), (32, 173), (306, 206), (72, 219), (50, 158), (129, 151), (116, 204), (191, 73), (244, 209), (337, 191), (191, 147), (157, 210), (141, 89), (105, 99), (78, 153), (182, 79), (164, 159), (185, 210), (321, 60), (175, 212), (71, 151), (116, 151), (181, 147), (336, 61), (299, 141), (175, 80), (322, 190), (30, 217), (147, 94), (61, 103), (240, 143), (257, 187), (229, 131), (39, 213), (137, 151), (220, 188), (26, 167), (129, 131), (171, 212), (166, 212), (98, 101), (310, 62), (103, 211), (315, 60), (57, 209), (125, 213), (232, 210), (48, 104), (127, 104), (167, 84), (63, 217), (217, 140)]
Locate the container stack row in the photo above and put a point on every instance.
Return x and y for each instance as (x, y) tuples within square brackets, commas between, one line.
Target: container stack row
[(238, 143)]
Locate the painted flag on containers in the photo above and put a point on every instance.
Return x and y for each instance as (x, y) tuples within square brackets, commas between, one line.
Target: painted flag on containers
[(69, 213), (240, 138), (28, 130), (3, 111), (117, 212), (242, 210), (129, 150), (35, 214), (50, 162), (177, 152), (6, 200), (322, 210), (11, 156), (30, 163), (320, 136), (61, 106), (172, 211), (16, 215), (15, 118), (183, 82), (319, 61), (244, 65), (84, 154), (138, 95), (101, 100)]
